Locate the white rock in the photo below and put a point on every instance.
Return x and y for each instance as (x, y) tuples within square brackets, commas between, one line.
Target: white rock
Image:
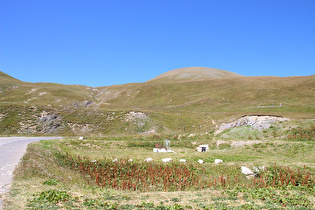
[(115, 160), (162, 150), (148, 160), (81, 138), (165, 160), (246, 171), (258, 169), (130, 160), (218, 161), (200, 161), (182, 160)]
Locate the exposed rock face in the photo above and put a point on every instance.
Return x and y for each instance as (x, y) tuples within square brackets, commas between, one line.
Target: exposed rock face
[(256, 121), (82, 104), (79, 128), (131, 116), (49, 123), (141, 121)]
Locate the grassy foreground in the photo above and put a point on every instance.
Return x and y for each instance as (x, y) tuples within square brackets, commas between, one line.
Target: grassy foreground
[(47, 179), (80, 174)]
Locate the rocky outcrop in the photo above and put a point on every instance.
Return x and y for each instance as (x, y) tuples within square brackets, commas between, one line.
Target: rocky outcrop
[(259, 122), (83, 104), (49, 123)]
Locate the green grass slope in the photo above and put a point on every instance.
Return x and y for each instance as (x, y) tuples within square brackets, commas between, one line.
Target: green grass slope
[(191, 105), (15, 91)]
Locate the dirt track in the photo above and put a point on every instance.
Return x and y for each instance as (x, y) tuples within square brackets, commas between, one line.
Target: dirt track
[(12, 150)]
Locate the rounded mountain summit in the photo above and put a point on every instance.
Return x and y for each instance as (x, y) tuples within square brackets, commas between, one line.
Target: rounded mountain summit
[(193, 74)]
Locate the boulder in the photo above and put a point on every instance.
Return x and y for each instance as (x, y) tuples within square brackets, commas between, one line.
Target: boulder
[(200, 161), (247, 171), (166, 160), (218, 161), (148, 160)]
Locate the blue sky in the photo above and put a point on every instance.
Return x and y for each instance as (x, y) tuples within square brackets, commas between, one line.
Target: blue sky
[(107, 42)]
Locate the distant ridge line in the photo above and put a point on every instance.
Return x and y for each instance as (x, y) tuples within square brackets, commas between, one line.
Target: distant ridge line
[(194, 73)]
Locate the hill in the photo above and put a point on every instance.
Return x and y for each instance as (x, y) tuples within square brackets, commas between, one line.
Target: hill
[(177, 101), (14, 91), (7, 81), (194, 73)]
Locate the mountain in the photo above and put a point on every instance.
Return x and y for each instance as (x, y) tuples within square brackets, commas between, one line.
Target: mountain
[(193, 74), (195, 98)]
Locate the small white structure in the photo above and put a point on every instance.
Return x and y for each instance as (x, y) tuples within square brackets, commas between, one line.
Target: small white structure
[(81, 138), (166, 160), (217, 161), (200, 161), (148, 160), (115, 160), (182, 160), (203, 148), (247, 171)]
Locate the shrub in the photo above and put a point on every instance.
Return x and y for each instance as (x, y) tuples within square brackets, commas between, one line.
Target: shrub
[(302, 134)]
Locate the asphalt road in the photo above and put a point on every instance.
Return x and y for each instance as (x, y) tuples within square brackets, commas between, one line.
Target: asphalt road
[(12, 150)]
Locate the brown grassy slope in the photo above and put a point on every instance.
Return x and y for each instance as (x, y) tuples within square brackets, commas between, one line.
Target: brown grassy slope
[(296, 94), (192, 74)]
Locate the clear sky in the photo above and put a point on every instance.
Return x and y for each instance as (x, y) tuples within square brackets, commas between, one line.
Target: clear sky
[(107, 42)]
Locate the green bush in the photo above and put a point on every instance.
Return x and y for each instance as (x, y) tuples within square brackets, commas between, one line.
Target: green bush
[(51, 196)]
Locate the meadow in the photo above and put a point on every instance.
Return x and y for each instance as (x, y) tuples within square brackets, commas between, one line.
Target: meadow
[(81, 174)]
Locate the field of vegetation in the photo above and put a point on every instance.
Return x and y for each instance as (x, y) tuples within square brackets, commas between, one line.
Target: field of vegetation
[(83, 174), (123, 122)]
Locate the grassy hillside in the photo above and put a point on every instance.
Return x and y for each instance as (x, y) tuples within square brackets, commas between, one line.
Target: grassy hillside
[(13, 91), (7, 81), (169, 107), (233, 95), (127, 121)]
